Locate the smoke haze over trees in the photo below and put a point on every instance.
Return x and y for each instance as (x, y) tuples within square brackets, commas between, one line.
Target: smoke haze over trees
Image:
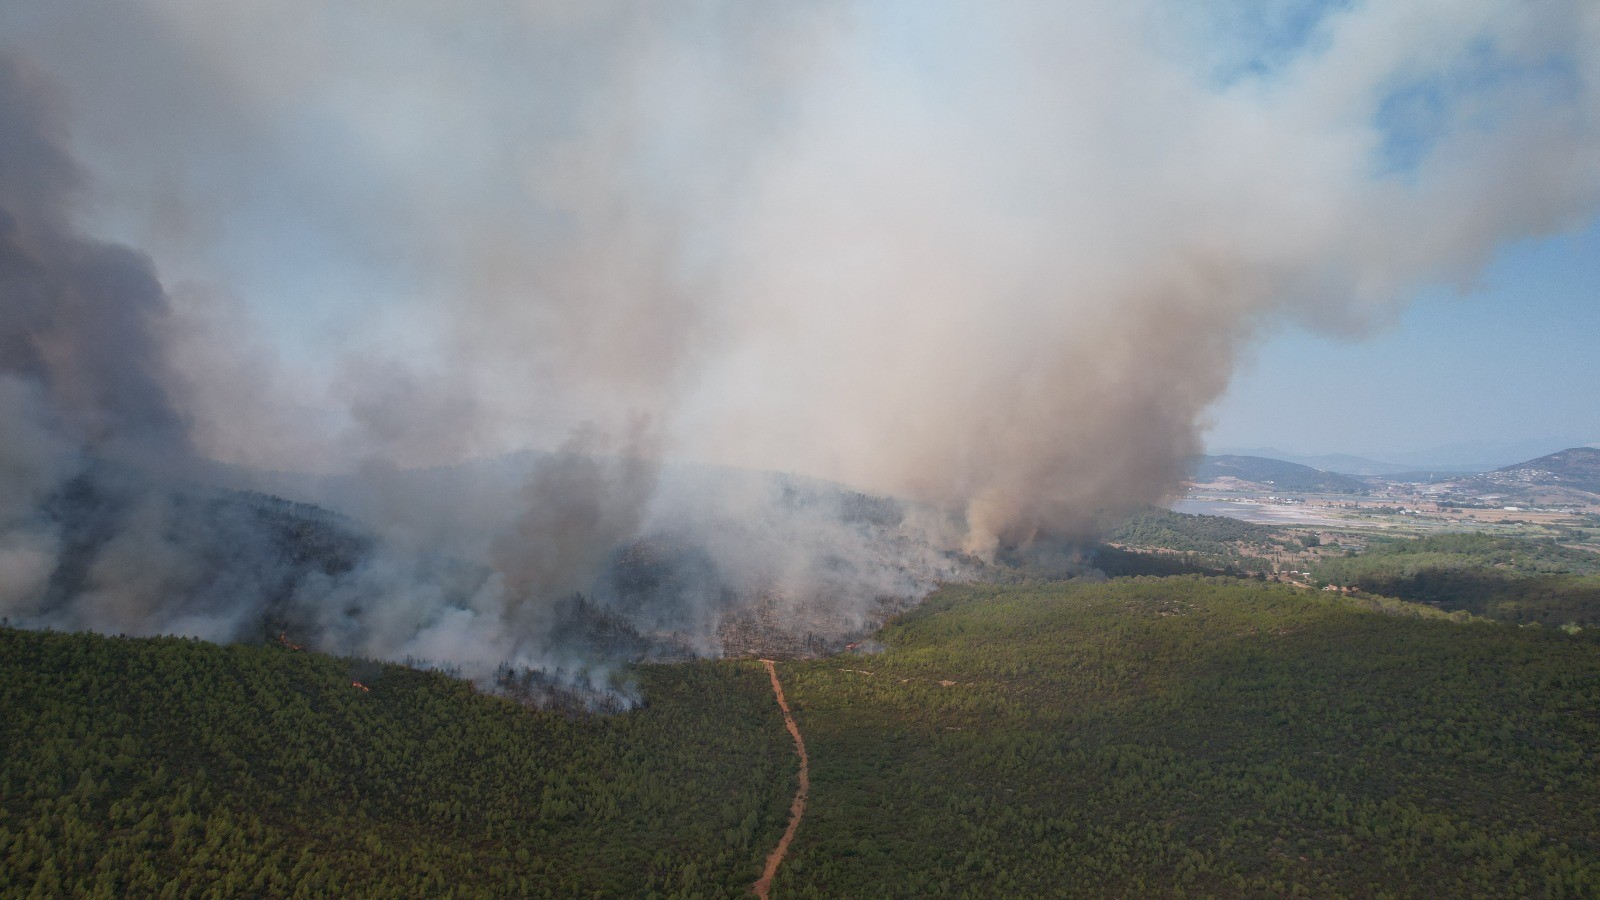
[(993, 259)]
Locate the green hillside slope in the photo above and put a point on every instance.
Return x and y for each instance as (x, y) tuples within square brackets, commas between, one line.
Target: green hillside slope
[(1218, 543), (132, 766)]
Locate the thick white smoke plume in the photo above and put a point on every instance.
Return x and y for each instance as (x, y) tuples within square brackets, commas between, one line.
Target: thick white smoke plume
[(996, 259)]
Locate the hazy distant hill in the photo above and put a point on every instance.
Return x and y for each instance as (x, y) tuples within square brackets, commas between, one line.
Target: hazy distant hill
[(208, 561), (1483, 456), (1347, 464), (1343, 463), (1573, 469), (1548, 479), (1276, 473), (1578, 467), (1466, 458)]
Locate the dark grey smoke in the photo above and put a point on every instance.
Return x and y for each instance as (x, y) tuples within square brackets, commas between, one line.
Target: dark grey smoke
[(81, 373), (80, 319), (577, 506)]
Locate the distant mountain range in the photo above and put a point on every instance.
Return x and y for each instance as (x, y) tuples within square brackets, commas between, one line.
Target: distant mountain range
[(1468, 458), (1566, 475)]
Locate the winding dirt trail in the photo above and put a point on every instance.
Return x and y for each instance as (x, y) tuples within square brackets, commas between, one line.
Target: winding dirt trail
[(797, 809)]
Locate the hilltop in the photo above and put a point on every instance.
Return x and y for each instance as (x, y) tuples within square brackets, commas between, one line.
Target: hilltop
[(1269, 474), (1577, 468)]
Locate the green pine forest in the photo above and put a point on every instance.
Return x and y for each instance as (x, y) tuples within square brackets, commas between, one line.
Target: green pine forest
[(1192, 736), (1184, 735), (1511, 579), (175, 767)]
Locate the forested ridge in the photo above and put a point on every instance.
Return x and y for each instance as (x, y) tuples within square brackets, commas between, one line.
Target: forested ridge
[(139, 766)]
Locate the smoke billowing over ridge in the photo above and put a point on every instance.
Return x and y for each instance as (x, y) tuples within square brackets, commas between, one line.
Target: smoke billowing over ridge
[(994, 259)]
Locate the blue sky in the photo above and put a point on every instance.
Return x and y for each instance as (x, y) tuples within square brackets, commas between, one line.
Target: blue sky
[(1509, 360), (1515, 358)]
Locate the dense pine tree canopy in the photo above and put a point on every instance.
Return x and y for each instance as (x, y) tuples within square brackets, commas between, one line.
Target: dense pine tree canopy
[(133, 765), (1143, 736)]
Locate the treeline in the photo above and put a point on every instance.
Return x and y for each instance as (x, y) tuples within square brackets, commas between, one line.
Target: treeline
[(1514, 579), (138, 767), (1195, 736), (1522, 555)]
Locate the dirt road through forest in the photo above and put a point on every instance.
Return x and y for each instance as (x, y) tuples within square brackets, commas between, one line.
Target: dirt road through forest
[(797, 808)]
